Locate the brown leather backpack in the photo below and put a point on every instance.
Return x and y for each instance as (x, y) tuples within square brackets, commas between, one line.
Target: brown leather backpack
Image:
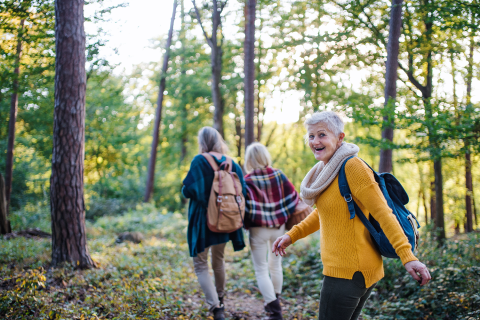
[(226, 205)]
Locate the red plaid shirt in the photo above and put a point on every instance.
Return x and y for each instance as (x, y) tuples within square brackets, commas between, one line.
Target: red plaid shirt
[(271, 198)]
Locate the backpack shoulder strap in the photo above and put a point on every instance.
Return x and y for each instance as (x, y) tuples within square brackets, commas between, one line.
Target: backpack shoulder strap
[(352, 206), (345, 189), (211, 161)]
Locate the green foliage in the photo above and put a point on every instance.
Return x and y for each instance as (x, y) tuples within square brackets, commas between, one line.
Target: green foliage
[(155, 279)]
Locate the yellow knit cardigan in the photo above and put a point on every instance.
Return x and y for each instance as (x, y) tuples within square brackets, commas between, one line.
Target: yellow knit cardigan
[(345, 244)]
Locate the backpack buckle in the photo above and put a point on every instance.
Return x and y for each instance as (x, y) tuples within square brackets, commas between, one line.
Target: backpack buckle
[(219, 198), (239, 199), (348, 197)]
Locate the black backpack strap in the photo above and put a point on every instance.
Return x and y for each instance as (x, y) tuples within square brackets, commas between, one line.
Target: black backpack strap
[(353, 208)]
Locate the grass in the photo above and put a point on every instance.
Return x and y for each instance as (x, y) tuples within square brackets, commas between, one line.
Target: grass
[(155, 279)]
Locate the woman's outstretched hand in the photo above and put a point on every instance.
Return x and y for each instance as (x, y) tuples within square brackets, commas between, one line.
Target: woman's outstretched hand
[(418, 271), (281, 244)]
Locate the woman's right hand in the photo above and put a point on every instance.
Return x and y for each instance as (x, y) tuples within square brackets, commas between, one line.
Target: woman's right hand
[(281, 244)]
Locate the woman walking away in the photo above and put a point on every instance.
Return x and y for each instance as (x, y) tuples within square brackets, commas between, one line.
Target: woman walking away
[(271, 198), (201, 239), (352, 264)]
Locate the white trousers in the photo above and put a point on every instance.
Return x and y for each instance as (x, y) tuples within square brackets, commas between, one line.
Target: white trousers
[(261, 240)]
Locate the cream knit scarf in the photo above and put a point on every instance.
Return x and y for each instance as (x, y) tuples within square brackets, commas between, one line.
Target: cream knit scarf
[(321, 175)]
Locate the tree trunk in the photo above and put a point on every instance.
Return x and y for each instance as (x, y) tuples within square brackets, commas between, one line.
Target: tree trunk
[(468, 196), (433, 202), (4, 223), (158, 113), (183, 72), (249, 65), (391, 83), (238, 131), (468, 161), (215, 61), (425, 207), (69, 241), (13, 119), (440, 219)]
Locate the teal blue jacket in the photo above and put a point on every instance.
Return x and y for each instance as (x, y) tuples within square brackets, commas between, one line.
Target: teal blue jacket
[(196, 187)]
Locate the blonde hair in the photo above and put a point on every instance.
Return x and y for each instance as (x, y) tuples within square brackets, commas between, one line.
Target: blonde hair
[(209, 139), (257, 156)]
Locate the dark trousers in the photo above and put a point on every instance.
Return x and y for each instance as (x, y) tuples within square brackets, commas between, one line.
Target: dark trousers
[(343, 299)]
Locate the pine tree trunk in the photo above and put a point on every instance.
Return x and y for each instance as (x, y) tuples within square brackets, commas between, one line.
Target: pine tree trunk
[(391, 83), (433, 202), (216, 62), (468, 161), (238, 132), (440, 219), (69, 241), (249, 67), (184, 138), (13, 119), (4, 223), (158, 114), (468, 196)]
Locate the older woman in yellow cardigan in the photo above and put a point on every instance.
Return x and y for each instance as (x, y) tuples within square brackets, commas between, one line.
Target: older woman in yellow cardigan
[(351, 263)]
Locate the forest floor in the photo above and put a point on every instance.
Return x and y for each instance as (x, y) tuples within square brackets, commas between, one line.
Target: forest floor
[(155, 279)]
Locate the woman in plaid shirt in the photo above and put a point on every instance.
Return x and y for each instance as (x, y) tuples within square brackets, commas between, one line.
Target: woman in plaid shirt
[(271, 199)]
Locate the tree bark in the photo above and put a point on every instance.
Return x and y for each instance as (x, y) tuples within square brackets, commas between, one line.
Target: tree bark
[(238, 131), (468, 161), (440, 220), (249, 70), (468, 196), (183, 72), (215, 61), (13, 119), (69, 241), (4, 223), (391, 83), (158, 113)]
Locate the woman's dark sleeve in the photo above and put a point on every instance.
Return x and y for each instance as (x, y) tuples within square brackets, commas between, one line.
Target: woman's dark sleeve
[(239, 172), (191, 182)]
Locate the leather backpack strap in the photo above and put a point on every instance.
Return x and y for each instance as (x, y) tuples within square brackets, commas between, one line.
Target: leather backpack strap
[(211, 161), (229, 164)]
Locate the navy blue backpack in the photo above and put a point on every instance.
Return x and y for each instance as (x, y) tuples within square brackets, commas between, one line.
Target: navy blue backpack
[(396, 197)]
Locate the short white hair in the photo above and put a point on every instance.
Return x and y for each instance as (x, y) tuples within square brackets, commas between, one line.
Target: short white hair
[(256, 157), (332, 120)]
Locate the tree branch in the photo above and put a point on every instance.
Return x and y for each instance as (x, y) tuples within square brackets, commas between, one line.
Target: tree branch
[(209, 41), (412, 79)]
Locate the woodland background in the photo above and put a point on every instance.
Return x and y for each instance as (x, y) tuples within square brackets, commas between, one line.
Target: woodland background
[(327, 55)]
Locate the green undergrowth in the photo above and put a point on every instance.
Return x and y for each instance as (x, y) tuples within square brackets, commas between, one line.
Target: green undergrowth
[(155, 279)]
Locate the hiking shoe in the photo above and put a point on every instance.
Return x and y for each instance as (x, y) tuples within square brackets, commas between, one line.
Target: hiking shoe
[(274, 310), (219, 313)]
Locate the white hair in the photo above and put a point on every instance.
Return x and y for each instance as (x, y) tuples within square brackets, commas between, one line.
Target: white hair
[(332, 120), (256, 157), (209, 140)]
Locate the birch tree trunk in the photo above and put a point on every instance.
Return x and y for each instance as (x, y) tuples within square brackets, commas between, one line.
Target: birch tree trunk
[(158, 113), (391, 83), (13, 119), (69, 240)]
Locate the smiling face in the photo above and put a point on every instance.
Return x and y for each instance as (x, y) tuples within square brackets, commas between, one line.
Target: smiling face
[(323, 142)]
